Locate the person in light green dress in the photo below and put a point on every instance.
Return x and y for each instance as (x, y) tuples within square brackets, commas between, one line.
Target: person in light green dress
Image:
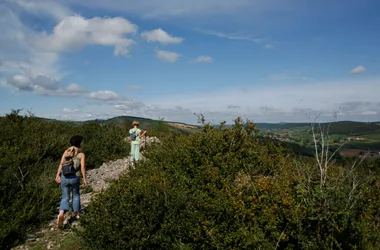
[(135, 136)]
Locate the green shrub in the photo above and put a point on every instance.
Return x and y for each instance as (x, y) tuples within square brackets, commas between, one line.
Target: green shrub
[(193, 191), (225, 188), (30, 150)]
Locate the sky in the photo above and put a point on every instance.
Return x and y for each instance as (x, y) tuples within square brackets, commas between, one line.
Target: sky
[(264, 60)]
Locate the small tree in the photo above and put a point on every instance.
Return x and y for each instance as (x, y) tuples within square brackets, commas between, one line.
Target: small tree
[(321, 139)]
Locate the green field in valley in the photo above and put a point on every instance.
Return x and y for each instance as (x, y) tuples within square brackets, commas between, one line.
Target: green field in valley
[(351, 135)]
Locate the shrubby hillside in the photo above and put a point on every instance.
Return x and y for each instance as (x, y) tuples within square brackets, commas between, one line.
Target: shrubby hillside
[(30, 150), (220, 188), (225, 188)]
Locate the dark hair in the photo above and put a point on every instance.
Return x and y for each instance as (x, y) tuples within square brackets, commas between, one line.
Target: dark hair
[(76, 140)]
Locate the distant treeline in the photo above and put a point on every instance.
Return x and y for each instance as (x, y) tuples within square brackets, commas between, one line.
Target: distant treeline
[(341, 127), (354, 128)]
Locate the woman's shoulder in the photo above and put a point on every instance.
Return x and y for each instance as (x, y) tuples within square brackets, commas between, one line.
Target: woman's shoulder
[(80, 155), (67, 150)]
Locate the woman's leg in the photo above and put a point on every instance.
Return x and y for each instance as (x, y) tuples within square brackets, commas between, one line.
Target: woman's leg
[(75, 184), (137, 152), (65, 187), (133, 149), (64, 206)]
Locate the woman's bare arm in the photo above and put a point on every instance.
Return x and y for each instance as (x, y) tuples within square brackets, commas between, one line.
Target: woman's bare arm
[(142, 134), (83, 168), (58, 176)]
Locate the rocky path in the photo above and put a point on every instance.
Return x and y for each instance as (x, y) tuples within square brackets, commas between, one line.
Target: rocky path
[(50, 237)]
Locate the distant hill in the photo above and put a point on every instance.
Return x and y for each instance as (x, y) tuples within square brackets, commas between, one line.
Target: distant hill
[(145, 123), (272, 126), (341, 127)]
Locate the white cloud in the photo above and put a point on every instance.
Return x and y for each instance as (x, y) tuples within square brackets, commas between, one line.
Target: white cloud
[(18, 55), (74, 87), (268, 46), (104, 95), (264, 103), (121, 50), (231, 36), (20, 82), (278, 102), (29, 60), (358, 70), (161, 36), (3, 82), (43, 7), (133, 87), (183, 8), (75, 32), (128, 104), (68, 110), (30, 83), (206, 59), (369, 113), (167, 56), (69, 91)]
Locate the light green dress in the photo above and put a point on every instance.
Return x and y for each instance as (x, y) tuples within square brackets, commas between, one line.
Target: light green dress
[(135, 145)]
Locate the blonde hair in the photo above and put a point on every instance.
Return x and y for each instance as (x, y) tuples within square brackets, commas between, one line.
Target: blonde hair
[(135, 123)]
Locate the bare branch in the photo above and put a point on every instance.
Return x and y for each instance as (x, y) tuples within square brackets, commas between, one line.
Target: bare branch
[(279, 239)]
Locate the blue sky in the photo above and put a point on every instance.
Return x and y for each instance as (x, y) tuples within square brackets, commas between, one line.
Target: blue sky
[(266, 60)]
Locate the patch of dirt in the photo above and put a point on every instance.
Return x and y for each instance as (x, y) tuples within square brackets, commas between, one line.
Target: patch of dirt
[(182, 125), (360, 153)]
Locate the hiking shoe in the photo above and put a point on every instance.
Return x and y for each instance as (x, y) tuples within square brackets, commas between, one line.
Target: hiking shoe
[(60, 219), (66, 221)]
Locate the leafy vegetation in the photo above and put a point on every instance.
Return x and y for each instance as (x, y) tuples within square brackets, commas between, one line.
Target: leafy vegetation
[(30, 150), (222, 187), (225, 188)]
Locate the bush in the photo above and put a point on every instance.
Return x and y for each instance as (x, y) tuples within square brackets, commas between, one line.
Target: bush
[(30, 150), (226, 189), (192, 192)]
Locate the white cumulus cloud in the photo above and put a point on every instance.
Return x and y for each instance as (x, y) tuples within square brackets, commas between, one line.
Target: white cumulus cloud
[(167, 56), (358, 70), (104, 95), (74, 87), (75, 32), (161, 36)]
